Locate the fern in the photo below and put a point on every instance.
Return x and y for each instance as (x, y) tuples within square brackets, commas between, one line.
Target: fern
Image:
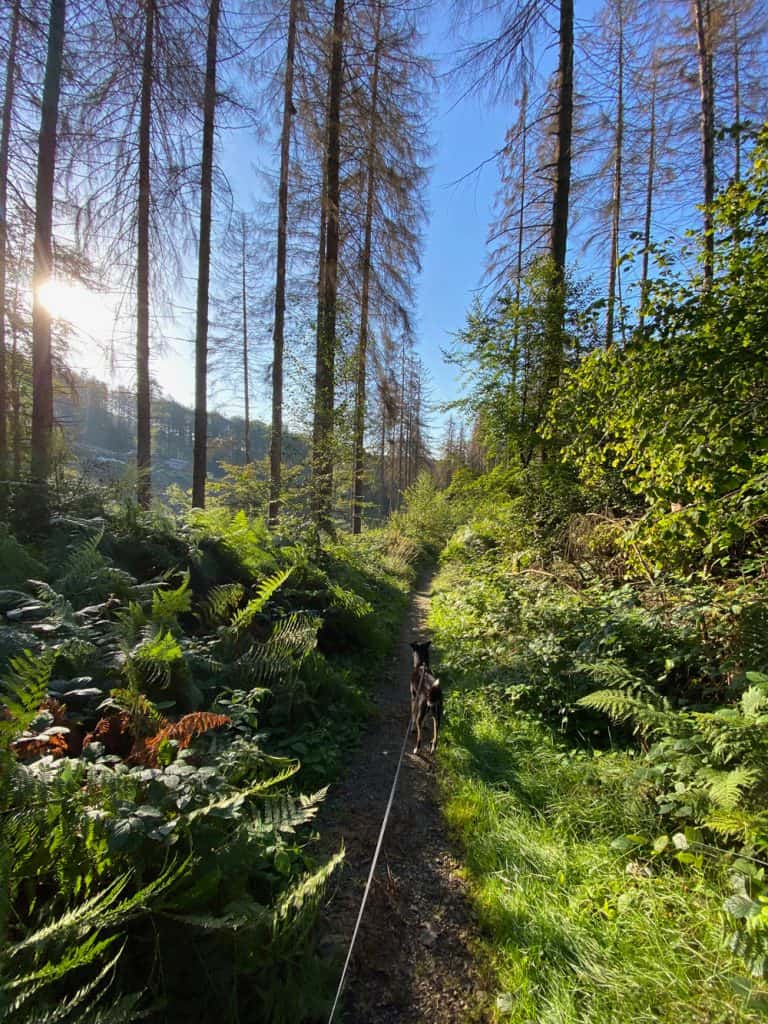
[(349, 601), (242, 619), (624, 707), (236, 799), (220, 602), (168, 604), (23, 691), (185, 730), (286, 813), (726, 789), (295, 912)]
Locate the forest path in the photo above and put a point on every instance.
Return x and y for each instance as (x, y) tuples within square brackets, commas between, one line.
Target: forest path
[(413, 961)]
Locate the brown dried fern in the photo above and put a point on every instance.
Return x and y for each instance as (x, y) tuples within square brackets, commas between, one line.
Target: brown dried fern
[(183, 731)]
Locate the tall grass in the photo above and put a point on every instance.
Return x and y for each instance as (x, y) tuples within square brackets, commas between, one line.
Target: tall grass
[(578, 930)]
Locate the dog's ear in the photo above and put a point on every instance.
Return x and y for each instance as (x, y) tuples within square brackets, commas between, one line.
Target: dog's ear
[(427, 643), (414, 644)]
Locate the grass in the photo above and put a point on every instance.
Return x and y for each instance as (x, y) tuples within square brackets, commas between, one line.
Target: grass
[(578, 931)]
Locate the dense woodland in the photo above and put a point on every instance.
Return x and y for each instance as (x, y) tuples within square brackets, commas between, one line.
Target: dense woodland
[(195, 608)]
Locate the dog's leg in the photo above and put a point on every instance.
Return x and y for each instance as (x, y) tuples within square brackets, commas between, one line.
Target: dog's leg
[(434, 733), (419, 721)]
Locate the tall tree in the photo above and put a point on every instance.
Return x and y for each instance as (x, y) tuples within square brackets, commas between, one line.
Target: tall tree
[(5, 138), (362, 344), (322, 433), (199, 459), (702, 13), (143, 396), (42, 369), (278, 336)]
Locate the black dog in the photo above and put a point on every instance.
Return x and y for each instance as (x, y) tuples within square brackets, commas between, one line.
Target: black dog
[(426, 694)]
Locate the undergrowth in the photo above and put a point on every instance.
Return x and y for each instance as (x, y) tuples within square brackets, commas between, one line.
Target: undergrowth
[(604, 768), (177, 694)]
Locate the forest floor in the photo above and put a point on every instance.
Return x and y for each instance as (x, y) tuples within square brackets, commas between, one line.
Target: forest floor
[(416, 959)]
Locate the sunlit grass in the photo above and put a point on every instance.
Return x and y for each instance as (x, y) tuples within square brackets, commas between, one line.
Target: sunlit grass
[(577, 931)]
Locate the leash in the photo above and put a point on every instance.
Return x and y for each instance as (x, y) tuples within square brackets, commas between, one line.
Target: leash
[(370, 874)]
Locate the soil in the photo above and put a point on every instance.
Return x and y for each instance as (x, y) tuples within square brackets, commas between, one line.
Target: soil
[(415, 959)]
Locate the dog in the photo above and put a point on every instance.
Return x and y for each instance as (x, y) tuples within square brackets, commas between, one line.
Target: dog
[(426, 694)]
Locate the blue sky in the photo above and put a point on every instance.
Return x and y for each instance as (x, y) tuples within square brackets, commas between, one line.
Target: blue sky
[(464, 135)]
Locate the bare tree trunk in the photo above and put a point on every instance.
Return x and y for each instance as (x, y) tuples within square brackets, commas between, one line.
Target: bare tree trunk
[(362, 344), (143, 397), (5, 137), (736, 93), (246, 378), (200, 451), (42, 367), (648, 200), (278, 339), (703, 21), (617, 186), (322, 438), (559, 239)]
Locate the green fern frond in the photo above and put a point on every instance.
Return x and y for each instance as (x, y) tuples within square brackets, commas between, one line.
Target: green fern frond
[(220, 602), (295, 911), (83, 566), (295, 635), (168, 604), (726, 788), (24, 689), (238, 798), (349, 601), (242, 619), (285, 813), (77, 919), (624, 707), (238, 918), (754, 702)]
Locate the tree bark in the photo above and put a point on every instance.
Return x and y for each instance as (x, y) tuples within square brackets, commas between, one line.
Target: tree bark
[(278, 337), (559, 237), (143, 398), (200, 451), (42, 367), (648, 201), (362, 344), (703, 23), (617, 185), (5, 137), (246, 377), (322, 435)]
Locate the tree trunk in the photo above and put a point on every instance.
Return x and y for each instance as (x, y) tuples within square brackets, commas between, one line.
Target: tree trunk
[(278, 339), (559, 237), (362, 344), (200, 451), (617, 186), (143, 398), (5, 137), (648, 200), (16, 402), (246, 377), (736, 94), (322, 438), (703, 21), (42, 367)]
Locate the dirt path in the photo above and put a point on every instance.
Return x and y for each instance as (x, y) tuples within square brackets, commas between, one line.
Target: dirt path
[(413, 961)]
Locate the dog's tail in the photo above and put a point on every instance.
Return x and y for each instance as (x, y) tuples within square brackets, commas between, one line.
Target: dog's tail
[(435, 694)]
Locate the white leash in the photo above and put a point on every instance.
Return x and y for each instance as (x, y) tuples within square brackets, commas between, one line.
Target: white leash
[(370, 875)]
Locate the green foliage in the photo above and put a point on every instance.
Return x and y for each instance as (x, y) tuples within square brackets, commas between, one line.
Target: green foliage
[(16, 563), (680, 412), (513, 354)]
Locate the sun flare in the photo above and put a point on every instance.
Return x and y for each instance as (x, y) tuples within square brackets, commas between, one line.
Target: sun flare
[(81, 308)]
